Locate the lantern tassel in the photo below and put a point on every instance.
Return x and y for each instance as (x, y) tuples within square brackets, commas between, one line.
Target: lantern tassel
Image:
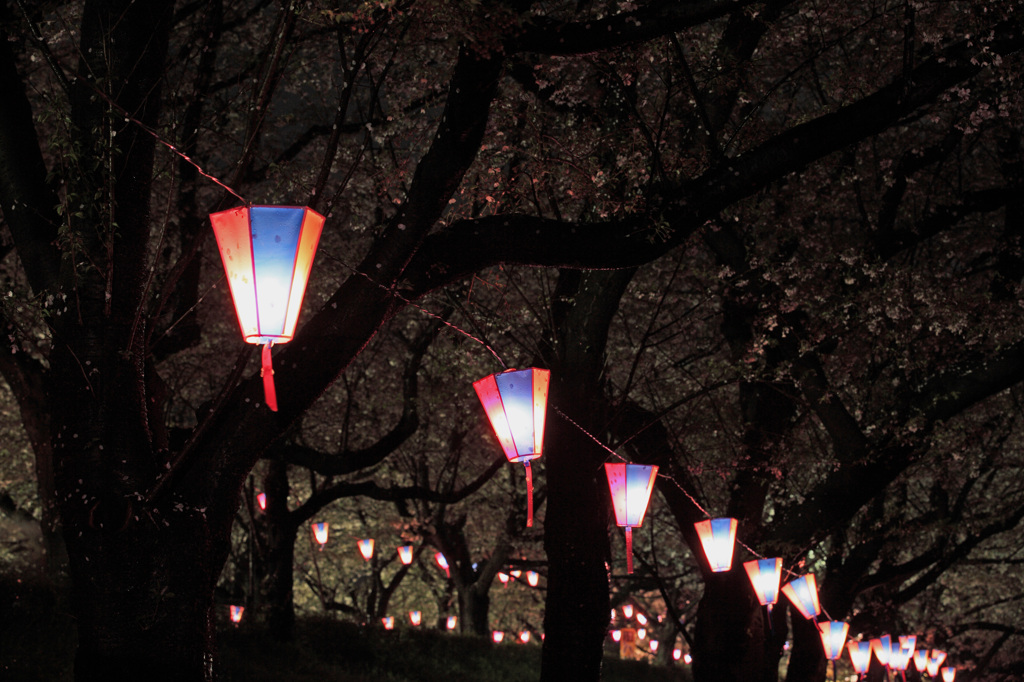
[(267, 372), (629, 549), (529, 495)]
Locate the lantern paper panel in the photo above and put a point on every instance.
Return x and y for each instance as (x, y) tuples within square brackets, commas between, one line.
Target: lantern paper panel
[(921, 660), (908, 643), (803, 592), (833, 637), (717, 537), (267, 252), (631, 486), (935, 660), (860, 656), (516, 405), (765, 575), (882, 647), (261, 501)]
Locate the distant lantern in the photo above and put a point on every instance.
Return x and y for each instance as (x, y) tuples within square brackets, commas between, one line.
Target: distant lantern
[(935, 660), (882, 646), (677, 654), (833, 637), (631, 486), (261, 501), (320, 531), (524, 636), (803, 592), (515, 574), (236, 613), (627, 611), (532, 578), (717, 537), (765, 575), (948, 674), (641, 618), (641, 633), (405, 554), (921, 660), (908, 643), (616, 635), (899, 659), (389, 622), (503, 577), (366, 548), (860, 656), (654, 646), (451, 622), (443, 563), (516, 405), (267, 253), (415, 617), (497, 636)]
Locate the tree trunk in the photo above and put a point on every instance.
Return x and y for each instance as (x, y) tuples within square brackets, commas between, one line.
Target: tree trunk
[(280, 534), (474, 609), (728, 609)]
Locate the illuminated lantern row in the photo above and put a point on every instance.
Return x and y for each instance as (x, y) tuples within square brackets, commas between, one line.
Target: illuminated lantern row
[(405, 554), (833, 637), (366, 548), (765, 575), (516, 405), (717, 537), (267, 253), (320, 532), (236, 613), (631, 486), (803, 592)]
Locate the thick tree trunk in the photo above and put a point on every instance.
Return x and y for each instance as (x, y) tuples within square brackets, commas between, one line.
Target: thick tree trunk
[(728, 639), (280, 534), (474, 609)]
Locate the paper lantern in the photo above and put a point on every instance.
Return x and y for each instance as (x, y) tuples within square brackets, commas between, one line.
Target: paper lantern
[(616, 635), (654, 646), (261, 501), (677, 654), (641, 633), (516, 405), (803, 593), (515, 574), (882, 646), (908, 643), (948, 674), (935, 660), (405, 554), (524, 636), (833, 637), (389, 622), (366, 548), (627, 611), (630, 486), (503, 577), (415, 617), (267, 253), (899, 659), (451, 622), (443, 563), (860, 656), (236, 613), (641, 618), (320, 531), (717, 537), (765, 575), (532, 578), (921, 660), (497, 636)]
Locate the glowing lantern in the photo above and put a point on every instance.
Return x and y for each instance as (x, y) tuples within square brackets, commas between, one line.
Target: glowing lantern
[(497, 636), (320, 531), (765, 575), (451, 622), (503, 577), (515, 574), (641, 633), (833, 637), (532, 578), (803, 592), (654, 646), (641, 618), (717, 537), (627, 611), (405, 554), (935, 661), (236, 613), (516, 405), (261, 501), (415, 617), (616, 635), (389, 622), (860, 656), (631, 486), (908, 643), (899, 659), (921, 660), (882, 646), (267, 253), (677, 654), (687, 659), (524, 636), (948, 674), (366, 548), (443, 563)]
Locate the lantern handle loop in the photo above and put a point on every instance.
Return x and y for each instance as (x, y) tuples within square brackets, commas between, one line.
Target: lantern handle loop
[(267, 372), (529, 495)]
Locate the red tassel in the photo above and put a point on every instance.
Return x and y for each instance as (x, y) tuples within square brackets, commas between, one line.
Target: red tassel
[(629, 549), (267, 372), (529, 495)]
